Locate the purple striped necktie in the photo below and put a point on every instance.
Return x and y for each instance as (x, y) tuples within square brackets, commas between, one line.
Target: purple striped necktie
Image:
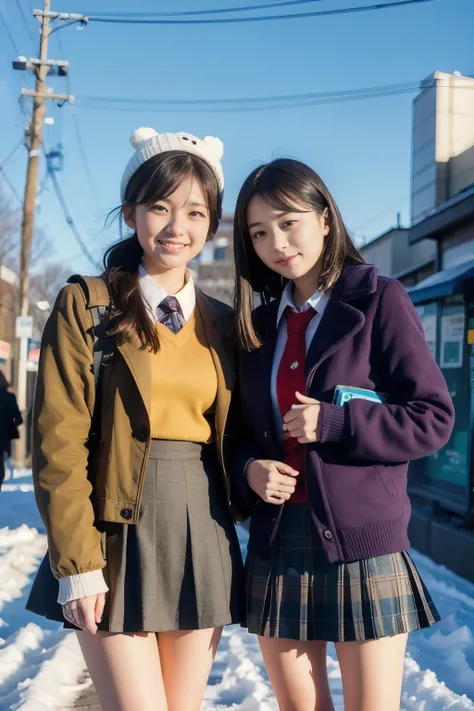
[(169, 313)]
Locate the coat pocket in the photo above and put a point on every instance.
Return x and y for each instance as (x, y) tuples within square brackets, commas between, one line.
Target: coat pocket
[(360, 494), (385, 476)]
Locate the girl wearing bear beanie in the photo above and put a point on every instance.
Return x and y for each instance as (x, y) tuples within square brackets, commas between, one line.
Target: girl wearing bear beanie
[(143, 558)]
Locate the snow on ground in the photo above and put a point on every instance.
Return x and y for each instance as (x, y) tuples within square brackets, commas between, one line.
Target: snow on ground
[(41, 668)]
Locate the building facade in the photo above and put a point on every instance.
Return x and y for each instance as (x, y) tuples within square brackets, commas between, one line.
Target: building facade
[(442, 149), (213, 270), (434, 259), (8, 305)]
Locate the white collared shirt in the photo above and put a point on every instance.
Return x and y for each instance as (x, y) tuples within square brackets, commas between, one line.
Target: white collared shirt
[(318, 301), (153, 294)]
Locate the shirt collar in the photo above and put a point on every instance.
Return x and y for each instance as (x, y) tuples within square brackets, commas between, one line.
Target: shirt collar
[(318, 301), (153, 294)]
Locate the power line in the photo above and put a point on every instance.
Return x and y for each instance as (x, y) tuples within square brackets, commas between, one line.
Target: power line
[(79, 138), (70, 221), (216, 11), (10, 185), (382, 213), (260, 18), (11, 154), (262, 103), (249, 109), (82, 152), (7, 29), (27, 27), (10, 37), (411, 85)]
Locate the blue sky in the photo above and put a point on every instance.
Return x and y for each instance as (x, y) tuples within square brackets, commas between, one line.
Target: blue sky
[(360, 148)]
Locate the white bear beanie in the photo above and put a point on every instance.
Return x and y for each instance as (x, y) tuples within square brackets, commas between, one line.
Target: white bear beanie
[(148, 143)]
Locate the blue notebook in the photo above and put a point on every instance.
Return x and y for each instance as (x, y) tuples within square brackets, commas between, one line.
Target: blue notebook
[(345, 393)]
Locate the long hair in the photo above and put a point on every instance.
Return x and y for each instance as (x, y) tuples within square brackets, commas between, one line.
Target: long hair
[(288, 186), (154, 180)]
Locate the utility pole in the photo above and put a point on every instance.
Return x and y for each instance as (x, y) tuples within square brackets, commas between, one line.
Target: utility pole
[(41, 67), (31, 187)]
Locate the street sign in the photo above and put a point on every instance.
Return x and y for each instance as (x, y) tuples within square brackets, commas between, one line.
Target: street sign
[(24, 327), (34, 348)]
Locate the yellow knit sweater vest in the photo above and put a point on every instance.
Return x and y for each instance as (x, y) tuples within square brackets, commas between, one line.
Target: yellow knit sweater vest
[(184, 384)]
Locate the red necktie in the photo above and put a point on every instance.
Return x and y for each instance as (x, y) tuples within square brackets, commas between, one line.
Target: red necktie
[(290, 378)]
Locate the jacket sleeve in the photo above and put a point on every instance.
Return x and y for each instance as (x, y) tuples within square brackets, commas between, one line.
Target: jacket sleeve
[(419, 419), (239, 452), (62, 413), (15, 413)]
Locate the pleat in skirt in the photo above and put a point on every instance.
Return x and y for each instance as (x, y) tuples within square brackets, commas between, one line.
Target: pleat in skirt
[(295, 593), (180, 566)]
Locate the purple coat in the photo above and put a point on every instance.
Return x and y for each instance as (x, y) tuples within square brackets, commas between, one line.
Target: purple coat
[(370, 336)]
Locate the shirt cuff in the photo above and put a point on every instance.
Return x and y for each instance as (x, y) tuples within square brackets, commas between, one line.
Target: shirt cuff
[(333, 424), (73, 587)]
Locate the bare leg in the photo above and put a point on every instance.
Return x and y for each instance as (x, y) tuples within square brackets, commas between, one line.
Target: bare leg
[(125, 669), (372, 673), (186, 661), (298, 674)]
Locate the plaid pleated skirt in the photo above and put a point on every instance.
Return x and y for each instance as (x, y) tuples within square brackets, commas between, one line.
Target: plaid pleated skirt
[(295, 593)]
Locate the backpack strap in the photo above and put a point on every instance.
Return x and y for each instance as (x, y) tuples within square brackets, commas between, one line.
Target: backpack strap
[(97, 297)]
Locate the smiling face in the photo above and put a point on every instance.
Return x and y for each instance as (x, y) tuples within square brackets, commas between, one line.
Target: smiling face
[(172, 230), (289, 243)]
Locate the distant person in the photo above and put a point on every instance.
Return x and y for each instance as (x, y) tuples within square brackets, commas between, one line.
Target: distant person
[(328, 548), (10, 420), (135, 498)]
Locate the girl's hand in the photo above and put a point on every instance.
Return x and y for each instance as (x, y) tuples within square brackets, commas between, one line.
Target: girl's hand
[(273, 481), (302, 421), (86, 612)]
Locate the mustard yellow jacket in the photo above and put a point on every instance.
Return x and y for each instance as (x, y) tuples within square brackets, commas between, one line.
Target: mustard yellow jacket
[(75, 495)]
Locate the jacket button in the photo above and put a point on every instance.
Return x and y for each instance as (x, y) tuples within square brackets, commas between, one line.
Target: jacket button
[(126, 514), (140, 434), (328, 534)]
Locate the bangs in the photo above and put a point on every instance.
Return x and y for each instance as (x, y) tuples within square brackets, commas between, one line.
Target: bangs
[(284, 189), (282, 200), (161, 175), (159, 186)]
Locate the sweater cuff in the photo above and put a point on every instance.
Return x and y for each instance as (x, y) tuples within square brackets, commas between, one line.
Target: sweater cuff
[(251, 497), (334, 423), (73, 587)]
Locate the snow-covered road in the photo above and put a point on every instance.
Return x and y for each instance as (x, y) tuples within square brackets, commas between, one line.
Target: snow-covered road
[(41, 668)]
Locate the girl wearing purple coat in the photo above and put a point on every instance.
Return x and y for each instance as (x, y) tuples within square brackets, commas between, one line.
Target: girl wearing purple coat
[(325, 474)]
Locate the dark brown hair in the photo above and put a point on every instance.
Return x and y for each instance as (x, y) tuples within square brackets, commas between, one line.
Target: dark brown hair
[(155, 180), (289, 186)]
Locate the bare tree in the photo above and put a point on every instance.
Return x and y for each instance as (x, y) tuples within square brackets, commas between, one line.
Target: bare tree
[(45, 284), (10, 221)]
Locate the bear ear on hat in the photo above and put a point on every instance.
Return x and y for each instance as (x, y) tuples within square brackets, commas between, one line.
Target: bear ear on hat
[(215, 144), (141, 135)]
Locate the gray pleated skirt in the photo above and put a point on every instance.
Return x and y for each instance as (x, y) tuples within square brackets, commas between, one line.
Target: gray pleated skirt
[(180, 566)]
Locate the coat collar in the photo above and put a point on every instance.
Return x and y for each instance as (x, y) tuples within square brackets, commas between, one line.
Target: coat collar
[(356, 280), (340, 321)]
